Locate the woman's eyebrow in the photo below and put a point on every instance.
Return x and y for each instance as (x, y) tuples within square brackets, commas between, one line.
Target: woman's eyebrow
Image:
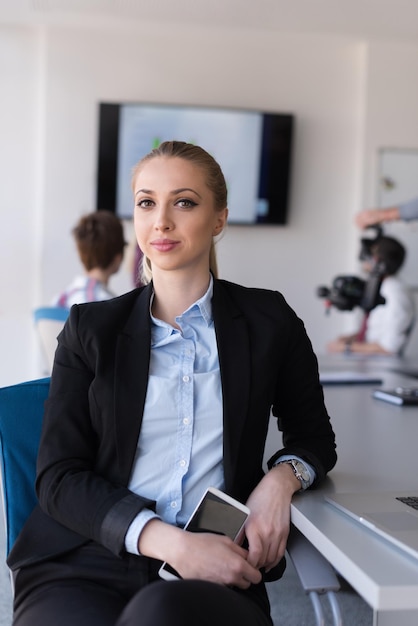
[(182, 189), (174, 192)]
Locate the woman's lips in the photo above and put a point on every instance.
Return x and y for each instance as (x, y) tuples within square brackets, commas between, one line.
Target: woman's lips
[(164, 245)]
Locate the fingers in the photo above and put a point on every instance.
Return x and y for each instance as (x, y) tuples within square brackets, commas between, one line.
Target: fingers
[(267, 540), (268, 552), (263, 552), (251, 576), (218, 559), (235, 569)]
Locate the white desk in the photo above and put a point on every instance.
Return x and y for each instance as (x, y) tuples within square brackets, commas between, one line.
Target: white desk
[(369, 363), (376, 445)]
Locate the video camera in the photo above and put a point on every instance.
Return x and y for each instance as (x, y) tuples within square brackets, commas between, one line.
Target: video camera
[(347, 292)]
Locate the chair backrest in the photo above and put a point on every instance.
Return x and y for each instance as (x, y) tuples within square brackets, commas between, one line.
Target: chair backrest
[(49, 322), (21, 412)]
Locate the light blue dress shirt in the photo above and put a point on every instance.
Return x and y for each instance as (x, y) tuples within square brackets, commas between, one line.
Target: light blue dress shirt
[(180, 446)]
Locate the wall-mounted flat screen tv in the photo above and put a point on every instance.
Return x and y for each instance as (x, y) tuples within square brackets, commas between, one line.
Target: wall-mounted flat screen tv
[(253, 149)]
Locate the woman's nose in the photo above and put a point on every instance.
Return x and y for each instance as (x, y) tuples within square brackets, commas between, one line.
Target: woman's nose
[(163, 220)]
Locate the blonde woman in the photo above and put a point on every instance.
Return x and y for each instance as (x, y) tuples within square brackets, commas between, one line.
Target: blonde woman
[(155, 396)]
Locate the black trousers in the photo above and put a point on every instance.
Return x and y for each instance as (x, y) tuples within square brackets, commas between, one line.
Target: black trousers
[(92, 587)]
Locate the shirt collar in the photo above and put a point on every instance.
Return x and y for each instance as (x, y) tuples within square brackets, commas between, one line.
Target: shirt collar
[(202, 307)]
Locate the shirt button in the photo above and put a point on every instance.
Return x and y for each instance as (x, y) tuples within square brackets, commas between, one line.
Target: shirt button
[(186, 421), (186, 379), (182, 463), (173, 504)]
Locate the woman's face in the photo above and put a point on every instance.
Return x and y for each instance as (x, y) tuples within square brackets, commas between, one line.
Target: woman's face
[(175, 216)]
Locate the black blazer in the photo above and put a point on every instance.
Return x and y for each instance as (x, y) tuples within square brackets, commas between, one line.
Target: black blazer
[(94, 411)]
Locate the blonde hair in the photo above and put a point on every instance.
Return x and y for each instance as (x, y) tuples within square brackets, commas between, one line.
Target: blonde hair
[(215, 181)]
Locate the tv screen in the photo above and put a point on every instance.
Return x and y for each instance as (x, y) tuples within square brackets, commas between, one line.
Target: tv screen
[(253, 149)]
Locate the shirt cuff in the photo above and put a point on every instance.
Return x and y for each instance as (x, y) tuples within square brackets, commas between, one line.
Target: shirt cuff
[(409, 210), (135, 529), (308, 466)]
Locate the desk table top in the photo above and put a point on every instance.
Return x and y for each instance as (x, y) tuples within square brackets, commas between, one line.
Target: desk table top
[(376, 446)]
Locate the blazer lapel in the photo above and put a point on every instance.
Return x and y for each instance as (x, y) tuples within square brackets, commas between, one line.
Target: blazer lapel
[(132, 356), (234, 360)]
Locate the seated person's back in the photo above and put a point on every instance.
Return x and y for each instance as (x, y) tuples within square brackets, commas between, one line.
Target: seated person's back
[(100, 244), (388, 325)]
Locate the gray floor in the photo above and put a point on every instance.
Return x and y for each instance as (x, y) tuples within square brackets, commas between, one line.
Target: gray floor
[(290, 606)]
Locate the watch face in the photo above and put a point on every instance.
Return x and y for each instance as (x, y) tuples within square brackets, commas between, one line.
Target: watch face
[(302, 470)]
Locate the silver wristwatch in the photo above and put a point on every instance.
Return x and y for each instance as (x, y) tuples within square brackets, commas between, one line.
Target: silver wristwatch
[(299, 471)]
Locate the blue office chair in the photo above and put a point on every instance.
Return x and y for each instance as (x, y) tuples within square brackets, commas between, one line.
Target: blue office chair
[(55, 313), (21, 412), (49, 321)]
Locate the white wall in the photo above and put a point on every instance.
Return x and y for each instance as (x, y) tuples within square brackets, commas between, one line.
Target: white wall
[(19, 207), (391, 106), (56, 77)]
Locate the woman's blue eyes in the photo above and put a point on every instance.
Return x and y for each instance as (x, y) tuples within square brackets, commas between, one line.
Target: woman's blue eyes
[(183, 203)]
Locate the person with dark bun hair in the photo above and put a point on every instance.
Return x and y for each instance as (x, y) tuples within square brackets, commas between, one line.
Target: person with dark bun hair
[(100, 244), (387, 327)]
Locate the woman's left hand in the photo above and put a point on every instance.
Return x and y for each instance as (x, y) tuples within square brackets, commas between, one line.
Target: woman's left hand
[(268, 525)]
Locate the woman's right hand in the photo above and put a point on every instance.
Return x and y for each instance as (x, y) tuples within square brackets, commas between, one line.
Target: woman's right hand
[(215, 558), (204, 556)]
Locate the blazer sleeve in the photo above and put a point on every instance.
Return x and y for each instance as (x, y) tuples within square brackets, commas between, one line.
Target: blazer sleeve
[(78, 480), (299, 404), (268, 366)]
